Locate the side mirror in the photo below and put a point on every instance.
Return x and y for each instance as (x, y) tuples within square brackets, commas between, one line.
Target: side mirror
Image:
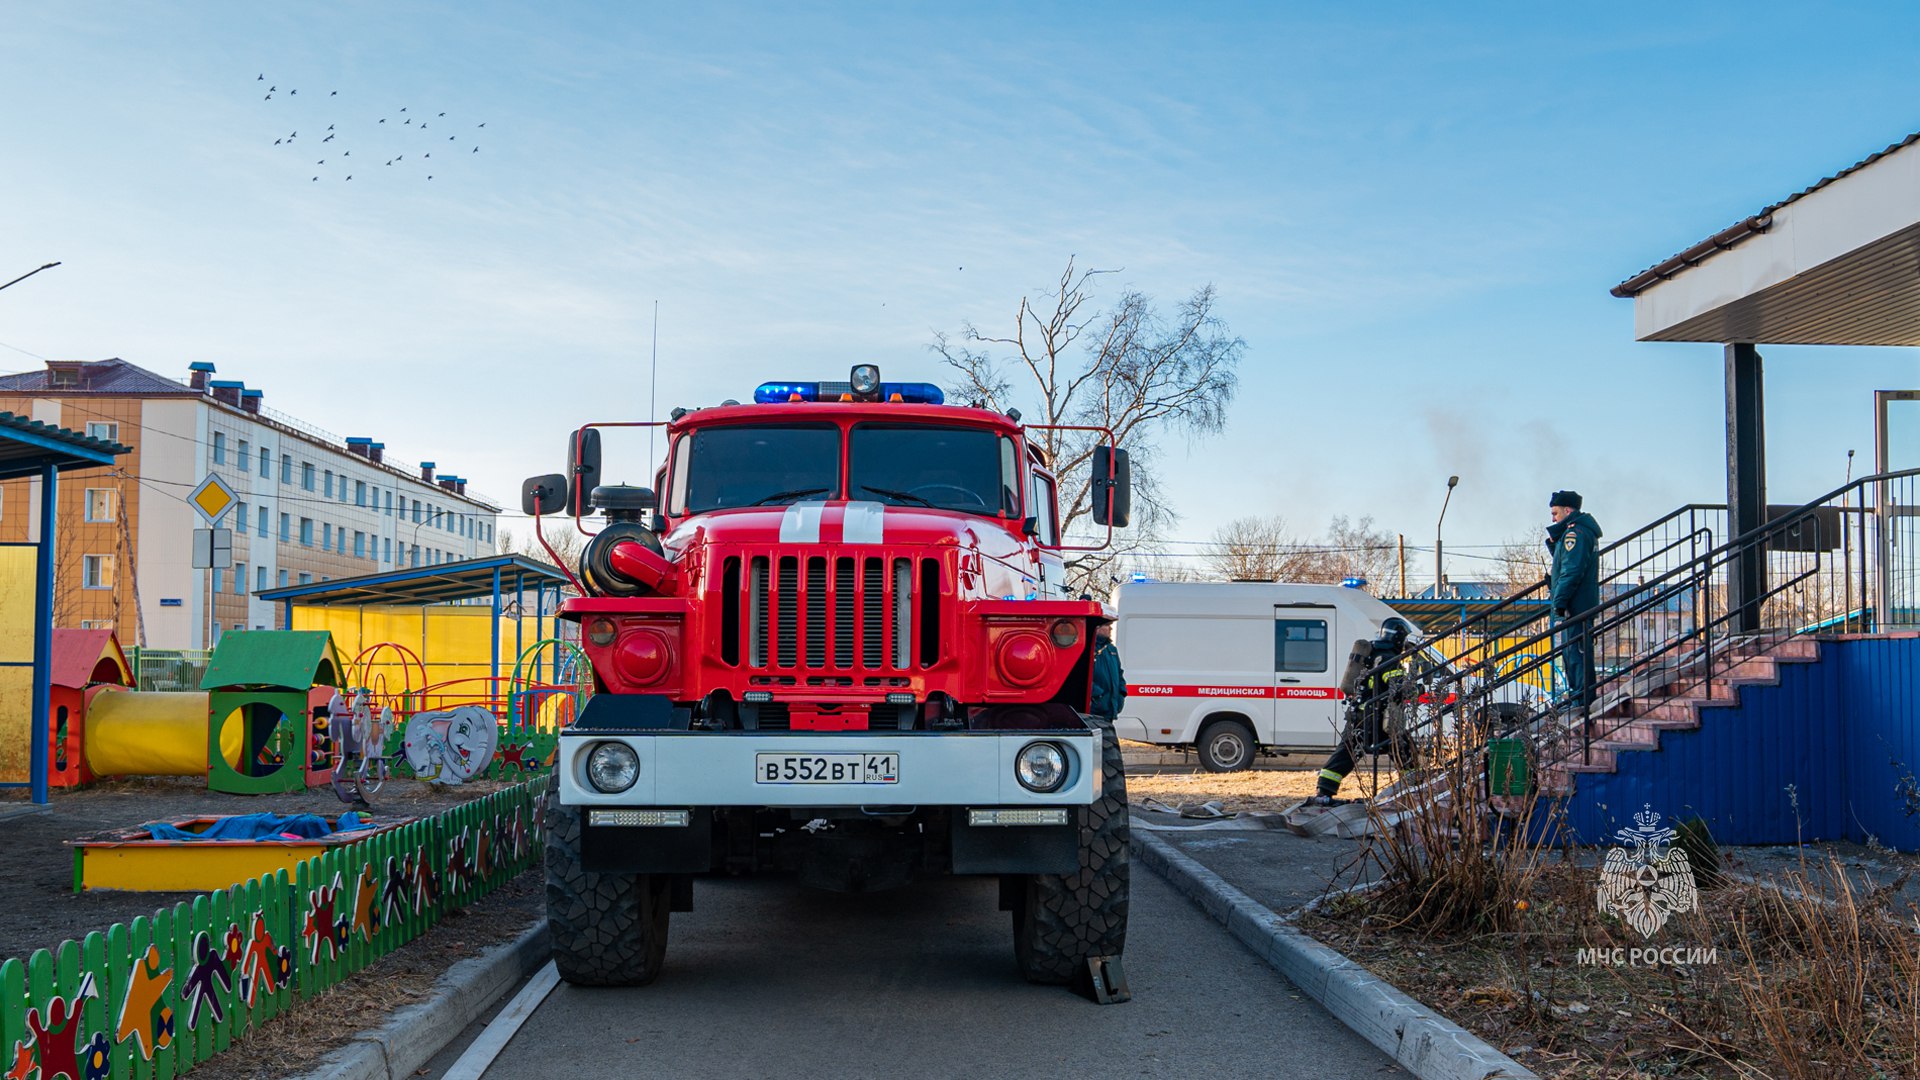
[(543, 495), (583, 470), (1112, 486)]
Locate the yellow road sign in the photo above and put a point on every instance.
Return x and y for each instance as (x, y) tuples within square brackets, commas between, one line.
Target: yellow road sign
[(212, 499)]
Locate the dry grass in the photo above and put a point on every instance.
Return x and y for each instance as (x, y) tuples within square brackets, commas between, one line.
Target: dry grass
[(1254, 789)]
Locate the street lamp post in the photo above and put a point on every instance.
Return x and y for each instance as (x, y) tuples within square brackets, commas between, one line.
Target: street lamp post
[(30, 273), (1439, 577)]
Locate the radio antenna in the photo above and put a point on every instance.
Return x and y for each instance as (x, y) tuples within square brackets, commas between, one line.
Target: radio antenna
[(653, 392)]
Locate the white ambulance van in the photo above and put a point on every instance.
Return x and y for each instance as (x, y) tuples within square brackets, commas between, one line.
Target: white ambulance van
[(1234, 669)]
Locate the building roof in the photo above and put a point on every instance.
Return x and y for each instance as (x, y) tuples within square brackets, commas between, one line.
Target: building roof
[(1746, 227), (469, 579), (1836, 263), (28, 446), (113, 376), (294, 659), (77, 654)]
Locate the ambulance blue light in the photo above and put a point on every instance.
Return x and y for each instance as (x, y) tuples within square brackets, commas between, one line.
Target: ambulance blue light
[(1355, 583), (913, 393), (780, 392), (1139, 577)]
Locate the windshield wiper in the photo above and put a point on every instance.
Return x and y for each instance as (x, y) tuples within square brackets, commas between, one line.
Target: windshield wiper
[(907, 496), (794, 494)]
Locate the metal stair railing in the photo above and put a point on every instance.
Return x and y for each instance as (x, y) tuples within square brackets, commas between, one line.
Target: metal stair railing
[(1832, 565)]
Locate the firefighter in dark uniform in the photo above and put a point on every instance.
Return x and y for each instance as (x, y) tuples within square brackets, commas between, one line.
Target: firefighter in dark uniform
[(1375, 720), (1574, 542), (1109, 681)]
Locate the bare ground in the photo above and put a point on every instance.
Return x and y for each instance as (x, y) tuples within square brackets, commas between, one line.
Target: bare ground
[(38, 907)]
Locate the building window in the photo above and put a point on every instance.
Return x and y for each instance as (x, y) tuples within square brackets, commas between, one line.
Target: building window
[(416, 554), (241, 454), (416, 509), (96, 624), (359, 544), (389, 504), (306, 531), (99, 504), (219, 448), (359, 493), (329, 490), (306, 475), (240, 578), (283, 579), (216, 579), (386, 546), (285, 533), (266, 462), (109, 432), (260, 579), (260, 522), (306, 579), (343, 540), (240, 519), (286, 468), (96, 571), (326, 536)]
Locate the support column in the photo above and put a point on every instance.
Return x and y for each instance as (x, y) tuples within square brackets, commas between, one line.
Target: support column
[(41, 708), (493, 688), (1746, 482)]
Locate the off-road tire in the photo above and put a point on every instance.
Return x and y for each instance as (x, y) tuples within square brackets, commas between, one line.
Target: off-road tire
[(606, 929), (1060, 921), (1226, 746)]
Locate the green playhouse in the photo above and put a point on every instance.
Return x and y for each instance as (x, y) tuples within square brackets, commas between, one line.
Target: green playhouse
[(267, 681)]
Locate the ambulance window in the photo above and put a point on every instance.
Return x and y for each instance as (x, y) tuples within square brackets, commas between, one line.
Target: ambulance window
[(1040, 508), (1299, 645)]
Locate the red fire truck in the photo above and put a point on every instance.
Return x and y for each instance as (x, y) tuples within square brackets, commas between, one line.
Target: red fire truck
[(838, 645)]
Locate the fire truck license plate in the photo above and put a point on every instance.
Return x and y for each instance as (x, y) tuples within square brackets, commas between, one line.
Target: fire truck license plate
[(826, 768)]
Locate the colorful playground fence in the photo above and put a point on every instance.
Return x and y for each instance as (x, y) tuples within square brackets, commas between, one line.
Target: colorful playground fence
[(151, 999)]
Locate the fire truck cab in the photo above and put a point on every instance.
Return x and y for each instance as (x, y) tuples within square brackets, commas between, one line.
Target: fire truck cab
[(839, 645)]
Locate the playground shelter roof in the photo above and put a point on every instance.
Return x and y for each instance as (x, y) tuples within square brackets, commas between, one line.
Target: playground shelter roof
[(468, 579), (77, 654), (28, 446), (293, 659)]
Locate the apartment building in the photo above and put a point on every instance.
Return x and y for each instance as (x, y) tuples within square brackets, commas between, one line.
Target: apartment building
[(311, 506)]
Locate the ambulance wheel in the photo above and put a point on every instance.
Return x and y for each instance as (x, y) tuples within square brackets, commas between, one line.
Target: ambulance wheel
[(1226, 745), (1062, 921), (605, 929)]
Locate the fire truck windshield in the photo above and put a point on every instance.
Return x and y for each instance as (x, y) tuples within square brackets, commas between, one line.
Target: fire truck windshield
[(971, 470), (762, 465)]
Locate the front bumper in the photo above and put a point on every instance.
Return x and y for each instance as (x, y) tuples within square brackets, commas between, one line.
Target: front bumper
[(694, 769)]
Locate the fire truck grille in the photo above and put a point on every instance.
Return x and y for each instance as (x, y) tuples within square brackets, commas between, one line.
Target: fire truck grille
[(824, 613)]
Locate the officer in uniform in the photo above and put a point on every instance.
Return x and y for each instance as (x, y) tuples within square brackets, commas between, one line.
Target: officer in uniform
[(1375, 711), (1574, 542), (1109, 680)]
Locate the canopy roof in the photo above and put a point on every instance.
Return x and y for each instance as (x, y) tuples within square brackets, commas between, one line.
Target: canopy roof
[(1837, 263), (469, 579), (27, 446)]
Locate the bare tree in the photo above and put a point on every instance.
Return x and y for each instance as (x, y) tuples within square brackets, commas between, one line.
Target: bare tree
[(1261, 549), (1360, 549), (1130, 369), (1523, 564), (567, 542)]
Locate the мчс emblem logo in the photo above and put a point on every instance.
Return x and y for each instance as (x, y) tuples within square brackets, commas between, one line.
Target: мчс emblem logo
[(1646, 885)]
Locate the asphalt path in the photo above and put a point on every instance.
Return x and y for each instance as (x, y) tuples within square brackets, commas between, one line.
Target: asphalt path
[(767, 978)]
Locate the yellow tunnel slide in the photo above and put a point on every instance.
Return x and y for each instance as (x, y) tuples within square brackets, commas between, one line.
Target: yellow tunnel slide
[(145, 733)]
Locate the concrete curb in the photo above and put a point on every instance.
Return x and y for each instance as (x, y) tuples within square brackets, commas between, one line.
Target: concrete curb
[(1421, 1040), (414, 1034)]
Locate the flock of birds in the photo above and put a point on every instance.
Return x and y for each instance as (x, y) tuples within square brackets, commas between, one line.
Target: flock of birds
[(404, 143)]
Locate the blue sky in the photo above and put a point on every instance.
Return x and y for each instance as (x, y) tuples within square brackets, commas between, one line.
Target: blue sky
[(1412, 214)]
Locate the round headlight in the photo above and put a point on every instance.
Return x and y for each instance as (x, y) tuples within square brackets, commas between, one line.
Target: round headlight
[(1041, 767), (1066, 633), (613, 767), (600, 631)]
